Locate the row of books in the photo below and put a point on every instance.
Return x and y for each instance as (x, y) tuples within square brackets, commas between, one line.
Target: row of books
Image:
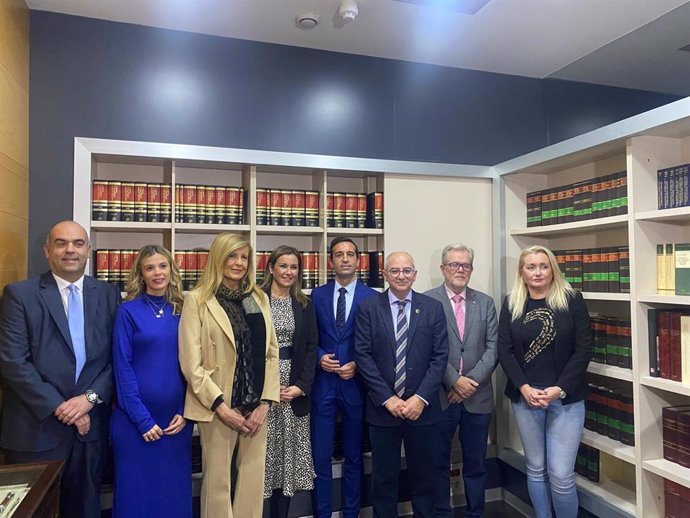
[(675, 422), (206, 204), (114, 266), (603, 270), (589, 199), (280, 207), (669, 344), (609, 412), (587, 462), (612, 341), (131, 201), (676, 500), (673, 268), (673, 187), (285, 207)]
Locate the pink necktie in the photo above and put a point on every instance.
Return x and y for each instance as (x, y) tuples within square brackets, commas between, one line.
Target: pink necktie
[(460, 320)]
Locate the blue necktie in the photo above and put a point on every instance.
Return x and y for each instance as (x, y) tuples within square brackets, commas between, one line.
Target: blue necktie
[(340, 310), (75, 318), (401, 348)]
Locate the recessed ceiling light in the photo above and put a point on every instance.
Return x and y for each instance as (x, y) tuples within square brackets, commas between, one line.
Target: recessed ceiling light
[(307, 20)]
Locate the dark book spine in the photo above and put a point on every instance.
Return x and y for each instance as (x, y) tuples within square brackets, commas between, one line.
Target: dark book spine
[(614, 285), (627, 419), (624, 269), (653, 318), (592, 464)]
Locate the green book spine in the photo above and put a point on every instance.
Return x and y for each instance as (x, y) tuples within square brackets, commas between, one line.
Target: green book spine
[(682, 258)]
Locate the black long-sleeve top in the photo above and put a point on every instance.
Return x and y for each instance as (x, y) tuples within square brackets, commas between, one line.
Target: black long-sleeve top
[(546, 348)]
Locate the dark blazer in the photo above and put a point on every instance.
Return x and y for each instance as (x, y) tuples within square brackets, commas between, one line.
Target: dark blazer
[(341, 344), (572, 349), (303, 361), (38, 365), (477, 348), (427, 354)]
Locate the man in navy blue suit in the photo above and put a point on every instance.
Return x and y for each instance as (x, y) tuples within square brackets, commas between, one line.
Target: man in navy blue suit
[(401, 347), (55, 351), (336, 387)]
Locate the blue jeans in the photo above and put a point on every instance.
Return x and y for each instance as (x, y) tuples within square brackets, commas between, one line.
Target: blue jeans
[(551, 437)]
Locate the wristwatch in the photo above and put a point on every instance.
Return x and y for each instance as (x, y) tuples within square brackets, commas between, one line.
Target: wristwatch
[(92, 397), (562, 395)]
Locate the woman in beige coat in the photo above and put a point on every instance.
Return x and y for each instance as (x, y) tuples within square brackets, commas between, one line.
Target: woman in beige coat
[(229, 356)]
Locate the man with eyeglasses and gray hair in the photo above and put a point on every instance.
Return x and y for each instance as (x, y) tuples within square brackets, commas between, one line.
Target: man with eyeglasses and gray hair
[(401, 346), (467, 392)]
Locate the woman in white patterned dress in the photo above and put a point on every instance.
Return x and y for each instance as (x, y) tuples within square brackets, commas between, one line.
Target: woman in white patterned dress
[(289, 465)]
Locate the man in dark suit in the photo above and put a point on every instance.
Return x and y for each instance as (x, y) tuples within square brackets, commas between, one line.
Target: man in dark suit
[(467, 392), (401, 346), (336, 388), (55, 351)]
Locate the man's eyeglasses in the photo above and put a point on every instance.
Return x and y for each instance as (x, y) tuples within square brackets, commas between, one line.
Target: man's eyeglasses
[(397, 271), (454, 267)]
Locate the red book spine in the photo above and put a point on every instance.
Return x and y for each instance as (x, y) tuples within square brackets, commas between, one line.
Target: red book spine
[(127, 195), (114, 200), (220, 211), (330, 210), (114, 267), (683, 438), (261, 206), (240, 213), (286, 207), (179, 203), (672, 499), (234, 200), (201, 204), (153, 202), (166, 203), (99, 200), (210, 205), (664, 331), (102, 269), (190, 201), (676, 370), (311, 208), (190, 263), (351, 207), (298, 202), (339, 209), (361, 210), (275, 207), (127, 258), (140, 202)]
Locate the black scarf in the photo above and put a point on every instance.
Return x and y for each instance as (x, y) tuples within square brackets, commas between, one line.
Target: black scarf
[(249, 330)]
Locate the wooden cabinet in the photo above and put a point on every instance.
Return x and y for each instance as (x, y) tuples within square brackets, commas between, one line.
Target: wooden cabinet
[(36, 488)]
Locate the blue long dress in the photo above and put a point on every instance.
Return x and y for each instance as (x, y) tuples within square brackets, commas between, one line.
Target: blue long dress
[(152, 479)]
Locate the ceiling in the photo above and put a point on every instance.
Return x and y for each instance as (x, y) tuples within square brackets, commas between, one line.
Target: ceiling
[(626, 43)]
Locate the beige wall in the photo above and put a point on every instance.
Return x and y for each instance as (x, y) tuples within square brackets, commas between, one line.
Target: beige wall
[(14, 139)]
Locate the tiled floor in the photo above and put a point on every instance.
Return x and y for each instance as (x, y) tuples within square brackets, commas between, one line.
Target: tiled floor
[(494, 510)]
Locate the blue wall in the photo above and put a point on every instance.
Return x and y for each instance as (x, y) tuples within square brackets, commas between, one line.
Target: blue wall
[(92, 78)]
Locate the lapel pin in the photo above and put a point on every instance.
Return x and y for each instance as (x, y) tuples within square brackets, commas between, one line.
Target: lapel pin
[(417, 311)]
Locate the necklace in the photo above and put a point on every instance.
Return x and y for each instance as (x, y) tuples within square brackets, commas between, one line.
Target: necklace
[(155, 308)]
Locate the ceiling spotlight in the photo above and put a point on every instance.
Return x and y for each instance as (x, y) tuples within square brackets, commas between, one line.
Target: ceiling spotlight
[(348, 10), (307, 20)]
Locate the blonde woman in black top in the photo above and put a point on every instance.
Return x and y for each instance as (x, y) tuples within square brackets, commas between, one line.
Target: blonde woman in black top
[(544, 346)]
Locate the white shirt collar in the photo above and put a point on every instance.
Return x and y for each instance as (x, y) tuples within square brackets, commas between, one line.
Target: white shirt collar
[(62, 284)]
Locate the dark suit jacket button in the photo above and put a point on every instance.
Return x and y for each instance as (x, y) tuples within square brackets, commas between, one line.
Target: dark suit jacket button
[(462, 350)]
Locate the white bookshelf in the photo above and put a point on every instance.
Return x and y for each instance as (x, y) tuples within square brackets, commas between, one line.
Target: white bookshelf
[(640, 145)]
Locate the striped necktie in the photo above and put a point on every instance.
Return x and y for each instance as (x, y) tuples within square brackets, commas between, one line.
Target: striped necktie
[(401, 328)]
